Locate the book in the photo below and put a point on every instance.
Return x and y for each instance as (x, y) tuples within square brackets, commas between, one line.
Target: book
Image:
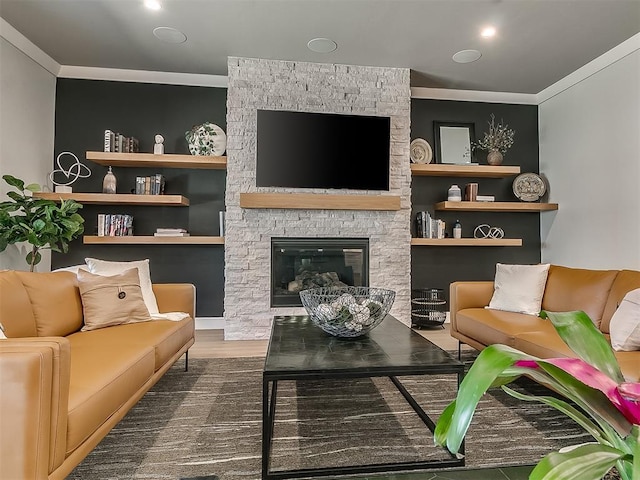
[(175, 234), (109, 141), (485, 198), (170, 230), (101, 224)]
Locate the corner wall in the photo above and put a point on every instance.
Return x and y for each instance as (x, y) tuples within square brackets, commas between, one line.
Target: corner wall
[(299, 86), (590, 153), (27, 112)]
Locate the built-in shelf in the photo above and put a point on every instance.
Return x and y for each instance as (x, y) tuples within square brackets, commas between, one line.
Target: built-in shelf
[(117, 199), (467, 242), (153, 240), (150, 160), (495, 206), (319, 201), (447, 170)]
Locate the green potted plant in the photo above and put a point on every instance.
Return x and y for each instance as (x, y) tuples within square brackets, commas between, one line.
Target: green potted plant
[(603, 403), (41, 223)]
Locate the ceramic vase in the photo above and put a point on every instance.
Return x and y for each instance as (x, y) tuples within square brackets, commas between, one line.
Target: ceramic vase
[(494, 157)]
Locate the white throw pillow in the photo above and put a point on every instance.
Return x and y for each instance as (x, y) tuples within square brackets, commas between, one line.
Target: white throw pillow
[(104, 267), (625, 323), (72, 268), (519, 288)]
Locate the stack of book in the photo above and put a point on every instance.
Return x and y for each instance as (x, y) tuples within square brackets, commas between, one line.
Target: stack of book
[(153, 185), (171, 232), (485, 198), (115, 225), (116, 142), (428, 227)]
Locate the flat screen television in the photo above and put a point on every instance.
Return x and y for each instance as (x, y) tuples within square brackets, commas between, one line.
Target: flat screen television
[(322, 150)]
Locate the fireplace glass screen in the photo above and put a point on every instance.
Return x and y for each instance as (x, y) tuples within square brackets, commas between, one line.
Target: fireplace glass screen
[(301, 263)]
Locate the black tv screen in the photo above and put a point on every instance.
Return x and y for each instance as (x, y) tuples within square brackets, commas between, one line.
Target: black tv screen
[(322, 150)]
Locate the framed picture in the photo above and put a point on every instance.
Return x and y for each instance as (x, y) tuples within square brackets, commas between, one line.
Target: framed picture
[(453, 142)]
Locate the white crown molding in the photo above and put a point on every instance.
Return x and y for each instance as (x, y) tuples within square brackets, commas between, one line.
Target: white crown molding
[(473, 96), (603, 61), (26, 46), (142, 76)]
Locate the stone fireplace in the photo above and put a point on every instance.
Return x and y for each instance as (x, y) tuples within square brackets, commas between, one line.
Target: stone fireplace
[(301, 263), (299, 86)]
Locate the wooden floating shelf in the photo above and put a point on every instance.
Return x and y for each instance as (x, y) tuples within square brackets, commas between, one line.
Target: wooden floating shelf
[(150, 160), (467, 242), (446, 170), (152, 240), (319, 201), (117, 199), (495, 206)]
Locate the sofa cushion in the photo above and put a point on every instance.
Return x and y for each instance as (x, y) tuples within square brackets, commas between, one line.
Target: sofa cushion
[(163, 336), (630, 365), (570, 289), (104, 267), (625, 281), (495, 326), (625, 323), (97, 392), (519, 288), (546, 343), (16, 314), (55, 300), (111, 300)]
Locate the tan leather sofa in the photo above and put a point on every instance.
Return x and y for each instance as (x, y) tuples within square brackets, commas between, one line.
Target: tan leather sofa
[(596, 292), (63, 390)]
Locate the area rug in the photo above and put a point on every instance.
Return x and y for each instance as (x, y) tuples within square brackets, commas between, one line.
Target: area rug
[(207, 421)]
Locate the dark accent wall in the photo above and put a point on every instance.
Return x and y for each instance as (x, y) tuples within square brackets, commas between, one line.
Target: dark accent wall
[(84, 109), (439, 266)]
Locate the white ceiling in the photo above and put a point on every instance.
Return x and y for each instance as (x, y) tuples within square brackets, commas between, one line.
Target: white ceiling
[(538, 42)]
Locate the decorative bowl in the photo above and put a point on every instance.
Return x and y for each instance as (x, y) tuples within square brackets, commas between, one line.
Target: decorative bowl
[(347, 311)]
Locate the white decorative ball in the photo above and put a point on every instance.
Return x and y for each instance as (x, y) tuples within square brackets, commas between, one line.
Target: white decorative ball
[(360, 313), (325, 312)]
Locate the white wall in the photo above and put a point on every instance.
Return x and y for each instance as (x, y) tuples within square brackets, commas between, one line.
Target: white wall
[(590, 153), (27, 114)]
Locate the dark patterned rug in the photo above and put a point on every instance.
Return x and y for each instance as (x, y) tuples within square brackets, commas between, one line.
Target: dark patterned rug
[(207, 421)]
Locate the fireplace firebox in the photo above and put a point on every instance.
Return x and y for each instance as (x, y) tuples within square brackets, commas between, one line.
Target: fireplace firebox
[(301, 263)]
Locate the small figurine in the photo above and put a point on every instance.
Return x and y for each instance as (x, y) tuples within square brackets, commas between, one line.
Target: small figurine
[(158, 148)]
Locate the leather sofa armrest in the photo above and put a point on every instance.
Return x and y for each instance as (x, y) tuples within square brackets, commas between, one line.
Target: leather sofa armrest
[(468, 295), (34, 399), (176, 297)]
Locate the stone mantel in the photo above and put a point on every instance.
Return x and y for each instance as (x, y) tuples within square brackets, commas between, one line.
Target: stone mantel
[(320, 201)]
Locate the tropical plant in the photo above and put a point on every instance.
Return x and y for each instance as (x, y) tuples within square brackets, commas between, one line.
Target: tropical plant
[(42, 223), (498, 138), (602, 403)]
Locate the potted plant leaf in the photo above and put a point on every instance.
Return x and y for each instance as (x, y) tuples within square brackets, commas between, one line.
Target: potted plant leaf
[(496, 141), (42, 223), (602, 402)]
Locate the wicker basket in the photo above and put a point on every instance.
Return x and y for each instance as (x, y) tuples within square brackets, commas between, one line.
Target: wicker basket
[(347, 311)]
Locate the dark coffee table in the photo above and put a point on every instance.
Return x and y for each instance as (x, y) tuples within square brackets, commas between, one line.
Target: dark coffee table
[(299, 350)]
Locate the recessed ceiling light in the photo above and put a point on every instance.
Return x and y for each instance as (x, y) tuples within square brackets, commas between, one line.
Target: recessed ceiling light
[(322, 45), (488, 32), (169, 35), (152, 4), (466, 56)]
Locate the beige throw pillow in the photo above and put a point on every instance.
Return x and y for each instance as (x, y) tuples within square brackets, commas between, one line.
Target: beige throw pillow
[(625, 323), (519, 288), (104, 267), (114, 300)]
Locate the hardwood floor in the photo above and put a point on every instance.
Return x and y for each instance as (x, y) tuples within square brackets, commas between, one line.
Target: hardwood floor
[(211, 344)]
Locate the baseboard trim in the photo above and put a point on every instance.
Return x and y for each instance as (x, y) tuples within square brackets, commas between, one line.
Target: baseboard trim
[(210, 323)]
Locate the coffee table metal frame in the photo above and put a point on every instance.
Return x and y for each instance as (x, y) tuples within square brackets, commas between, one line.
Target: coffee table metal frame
[(271, 376)]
